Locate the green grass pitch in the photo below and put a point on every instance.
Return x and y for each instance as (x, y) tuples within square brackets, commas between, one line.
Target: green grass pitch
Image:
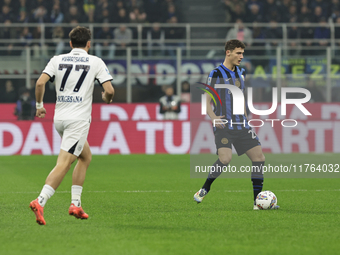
[(140, 204)]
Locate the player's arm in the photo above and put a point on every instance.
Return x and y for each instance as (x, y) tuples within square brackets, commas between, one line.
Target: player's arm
[(39, 94), (245, 109), (212, 78), (108, 92), (211, 113), (244, 94)]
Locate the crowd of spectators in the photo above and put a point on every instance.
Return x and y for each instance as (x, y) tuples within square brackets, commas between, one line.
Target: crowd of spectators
[(157, 40), (85, 11), (111, 41), (312, 14), (281, 10)]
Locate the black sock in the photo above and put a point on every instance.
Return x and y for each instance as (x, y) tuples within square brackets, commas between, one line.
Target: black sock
[(213, 175), (257, 178)]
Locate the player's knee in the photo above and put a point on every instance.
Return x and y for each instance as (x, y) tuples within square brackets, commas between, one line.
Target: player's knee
[(257, 157), (89, 158), (225, 160), (261, 158), (86, 160)]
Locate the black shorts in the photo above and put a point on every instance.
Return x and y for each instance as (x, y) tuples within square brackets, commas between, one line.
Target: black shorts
[(243, 140)]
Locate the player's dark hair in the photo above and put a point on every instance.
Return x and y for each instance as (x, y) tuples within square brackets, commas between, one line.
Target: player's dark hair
[(79, 36), (233, 44)]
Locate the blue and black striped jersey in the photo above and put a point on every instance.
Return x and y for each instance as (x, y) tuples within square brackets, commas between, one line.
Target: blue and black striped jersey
[(222, 75)]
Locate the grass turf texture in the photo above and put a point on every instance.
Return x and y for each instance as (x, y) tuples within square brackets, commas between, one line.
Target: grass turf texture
[(142, 204)]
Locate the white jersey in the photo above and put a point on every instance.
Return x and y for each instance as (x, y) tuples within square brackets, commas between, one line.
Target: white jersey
[(75, 74)]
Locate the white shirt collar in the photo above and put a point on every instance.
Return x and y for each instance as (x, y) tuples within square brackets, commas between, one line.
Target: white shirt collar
[(78, 50)]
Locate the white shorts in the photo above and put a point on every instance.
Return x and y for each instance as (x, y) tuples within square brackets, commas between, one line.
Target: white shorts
[(73, 134)]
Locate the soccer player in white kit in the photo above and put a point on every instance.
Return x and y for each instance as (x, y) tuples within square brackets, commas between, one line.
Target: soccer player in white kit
[(74, 74)]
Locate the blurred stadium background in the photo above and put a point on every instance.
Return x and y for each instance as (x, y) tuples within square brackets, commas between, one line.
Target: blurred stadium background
[(151, 44), (142, 204)]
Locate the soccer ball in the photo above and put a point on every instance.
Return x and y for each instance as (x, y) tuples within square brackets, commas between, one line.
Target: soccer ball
[(266, 200)]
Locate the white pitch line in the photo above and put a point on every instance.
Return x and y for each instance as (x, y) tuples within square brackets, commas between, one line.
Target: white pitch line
[(165, 191)]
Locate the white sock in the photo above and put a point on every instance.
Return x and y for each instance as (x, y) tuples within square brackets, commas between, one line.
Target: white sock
[(45, 194), (76, 194)]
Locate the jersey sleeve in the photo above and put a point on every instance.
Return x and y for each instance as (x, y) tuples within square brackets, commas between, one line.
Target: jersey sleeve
[(103, 74), (50, 68)]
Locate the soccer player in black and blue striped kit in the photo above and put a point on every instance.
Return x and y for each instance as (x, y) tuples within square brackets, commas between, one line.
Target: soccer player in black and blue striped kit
[(239, 133)]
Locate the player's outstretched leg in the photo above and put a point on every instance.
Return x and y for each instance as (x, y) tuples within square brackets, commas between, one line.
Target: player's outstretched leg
[(199, 195), (38, 211), (37, 205), (224, 157), (218, 166), (78, 178), (53, 180)]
